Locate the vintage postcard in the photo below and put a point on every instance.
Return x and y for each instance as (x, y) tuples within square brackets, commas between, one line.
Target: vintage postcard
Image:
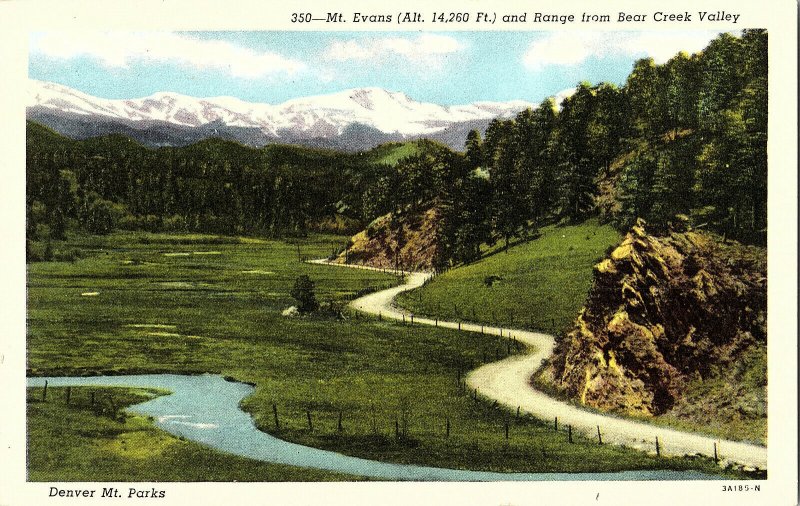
[(362, 253)]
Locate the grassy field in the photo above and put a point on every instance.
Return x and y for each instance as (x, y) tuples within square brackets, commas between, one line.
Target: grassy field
[(542, 283), (392, 153), (159, 303), (81, 442)]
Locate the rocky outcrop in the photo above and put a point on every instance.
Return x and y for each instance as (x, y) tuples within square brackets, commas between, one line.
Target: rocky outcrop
[(663, 312), (406, 242)]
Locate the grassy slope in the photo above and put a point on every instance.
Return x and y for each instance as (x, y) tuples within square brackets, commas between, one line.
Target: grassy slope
[(228, 321), (393, 152), (543, 286), (76, 442)]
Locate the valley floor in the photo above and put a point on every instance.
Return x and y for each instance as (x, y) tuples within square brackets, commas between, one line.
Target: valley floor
[(152, 303)]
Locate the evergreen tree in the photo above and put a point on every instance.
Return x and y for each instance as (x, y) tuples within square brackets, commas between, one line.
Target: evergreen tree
[(303, 293), (578, 167)]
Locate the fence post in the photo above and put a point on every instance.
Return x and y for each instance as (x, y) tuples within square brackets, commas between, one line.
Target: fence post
[(569, 431), (92, 396), (716, 458), (275, 414), (69, 394), (658, 448), (447, 427), (308, 416), (506, 429), (339, 425), (599, 436), (556, 424), (44, 392)]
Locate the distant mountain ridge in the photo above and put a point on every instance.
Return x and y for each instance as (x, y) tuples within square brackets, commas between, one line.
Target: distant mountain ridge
[(349, 120)]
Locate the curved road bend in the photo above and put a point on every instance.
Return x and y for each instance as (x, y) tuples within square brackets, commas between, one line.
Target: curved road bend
[(508, 382)]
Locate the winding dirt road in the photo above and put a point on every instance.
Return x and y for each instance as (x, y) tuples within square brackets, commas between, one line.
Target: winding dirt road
[(508, 382)]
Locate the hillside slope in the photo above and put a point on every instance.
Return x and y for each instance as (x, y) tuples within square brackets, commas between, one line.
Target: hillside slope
[(667, 318), (538, 284), (392, 241)]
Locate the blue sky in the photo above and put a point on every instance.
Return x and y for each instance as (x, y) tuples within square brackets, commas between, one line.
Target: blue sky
[(445, 68)]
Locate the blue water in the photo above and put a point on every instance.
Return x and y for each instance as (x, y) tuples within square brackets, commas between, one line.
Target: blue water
[(205, 409)]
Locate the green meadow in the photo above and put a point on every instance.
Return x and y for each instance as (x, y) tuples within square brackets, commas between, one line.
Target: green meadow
[(148, 303), (126, 447), (538, 285)]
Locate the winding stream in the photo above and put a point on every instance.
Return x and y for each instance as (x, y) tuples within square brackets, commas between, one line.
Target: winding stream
[(205, 409)]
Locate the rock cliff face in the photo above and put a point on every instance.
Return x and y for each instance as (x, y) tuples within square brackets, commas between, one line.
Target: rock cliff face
[(663, 313), (407, 242)]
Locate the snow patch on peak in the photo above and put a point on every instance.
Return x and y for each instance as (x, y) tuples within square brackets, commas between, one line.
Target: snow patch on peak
[(390, 112)]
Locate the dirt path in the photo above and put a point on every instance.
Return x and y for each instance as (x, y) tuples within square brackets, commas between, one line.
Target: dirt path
[(508, 382)]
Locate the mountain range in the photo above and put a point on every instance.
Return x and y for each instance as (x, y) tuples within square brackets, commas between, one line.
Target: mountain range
[(349, 120)]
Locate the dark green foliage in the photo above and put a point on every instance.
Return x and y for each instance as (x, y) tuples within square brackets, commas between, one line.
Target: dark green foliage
[(98, 215), (212, 186), (705, 129), (474, 150), (686, 137), (689, 137), (303, 293), (578, 165)]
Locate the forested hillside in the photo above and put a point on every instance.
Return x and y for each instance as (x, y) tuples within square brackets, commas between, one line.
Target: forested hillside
[(684, 138), (212, 186)]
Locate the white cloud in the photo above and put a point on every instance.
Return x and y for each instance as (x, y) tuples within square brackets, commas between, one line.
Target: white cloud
[(118, 49), (573, 48), (426, 48)]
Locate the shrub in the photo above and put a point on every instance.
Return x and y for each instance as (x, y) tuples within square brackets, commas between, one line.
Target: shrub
[(303, 293), (491, 280)]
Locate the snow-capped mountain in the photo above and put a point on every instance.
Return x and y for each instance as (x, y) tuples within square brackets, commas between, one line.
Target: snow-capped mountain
[(372, 113)]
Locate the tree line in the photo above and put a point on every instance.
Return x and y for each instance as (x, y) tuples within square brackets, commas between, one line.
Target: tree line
[(687, 137), (214, 186), (683, 139)]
